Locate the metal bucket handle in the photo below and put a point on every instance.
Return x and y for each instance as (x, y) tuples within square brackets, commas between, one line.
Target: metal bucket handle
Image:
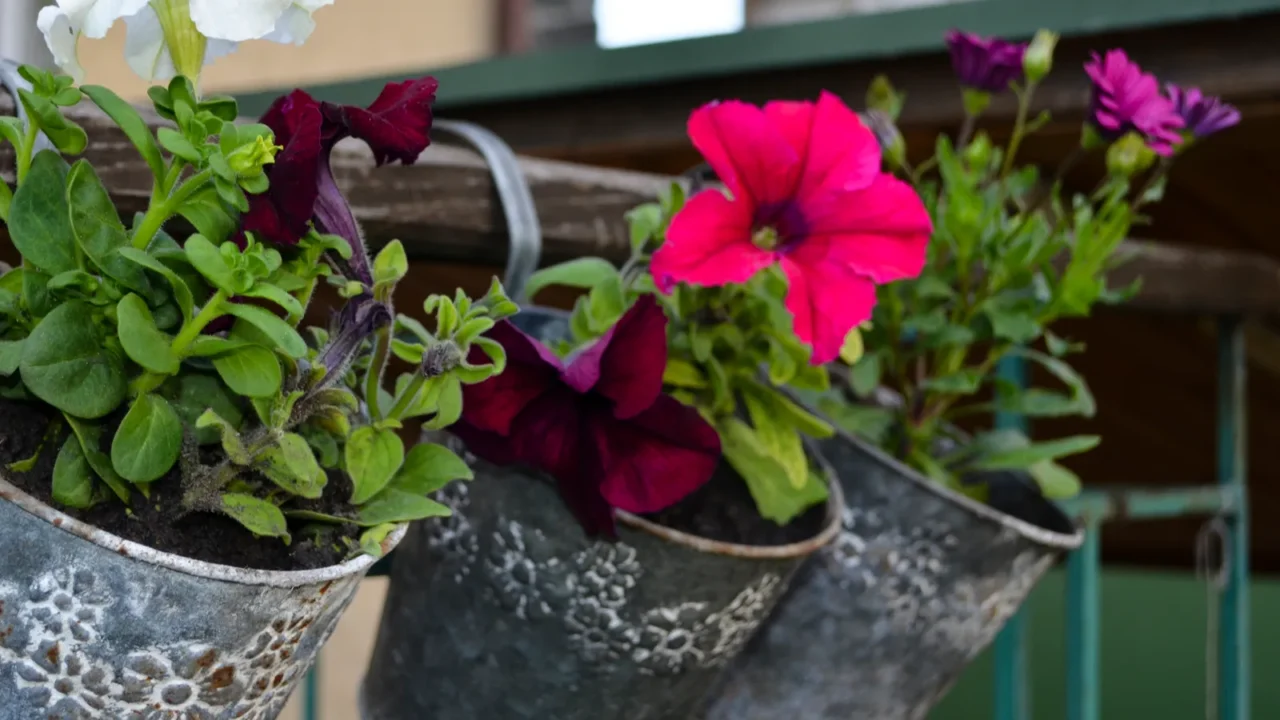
[(12, 81), (517, 202)]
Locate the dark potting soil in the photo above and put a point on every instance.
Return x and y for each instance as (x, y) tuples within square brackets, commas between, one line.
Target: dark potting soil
[(724, 510), (158, 521)]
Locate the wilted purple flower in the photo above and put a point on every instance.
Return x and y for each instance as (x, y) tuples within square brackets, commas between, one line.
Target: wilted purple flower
[(987, 64), (357, 322), (1203, 114), (1126, 99)]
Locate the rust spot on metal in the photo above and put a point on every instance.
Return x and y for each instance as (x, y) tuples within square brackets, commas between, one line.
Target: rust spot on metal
[(122, 550), (326, 587), (206, 660), (222, 677), (278, 680), (278, 626), (57, 522), (54, 654)]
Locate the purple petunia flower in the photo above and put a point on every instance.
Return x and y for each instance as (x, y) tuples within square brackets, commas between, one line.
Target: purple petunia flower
[(1126, 99), (599, 424), (987, 64), (1203, 114)]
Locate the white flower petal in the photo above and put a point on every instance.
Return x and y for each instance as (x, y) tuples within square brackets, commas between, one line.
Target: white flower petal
[(237, 20), (215, 49), (294, 26), (104, 13), (145, 49), (61, 35)]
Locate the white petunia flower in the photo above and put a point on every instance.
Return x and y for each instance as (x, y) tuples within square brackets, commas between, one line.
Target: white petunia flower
[(219, 25)]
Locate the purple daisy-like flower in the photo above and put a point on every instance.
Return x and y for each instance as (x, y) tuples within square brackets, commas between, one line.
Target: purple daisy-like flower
[(1203, 114), (988, 64), (1125, 99)]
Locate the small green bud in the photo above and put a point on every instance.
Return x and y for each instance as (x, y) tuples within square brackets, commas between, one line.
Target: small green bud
[(1129, 156), (978, 153), (1038, 59), (892, 146), (391, 264), (975, 101), (353, 288), (882, 96), (249, 159)]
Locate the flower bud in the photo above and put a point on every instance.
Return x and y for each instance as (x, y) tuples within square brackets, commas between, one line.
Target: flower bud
[(1129, 156), (1038, 60), (978, 153), (893, 147), (882, 96), (249, 159)]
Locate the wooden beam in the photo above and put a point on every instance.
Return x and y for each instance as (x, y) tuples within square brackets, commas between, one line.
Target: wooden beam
[(444, 209)]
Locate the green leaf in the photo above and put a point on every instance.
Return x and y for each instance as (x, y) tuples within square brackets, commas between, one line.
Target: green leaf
[(778, 440), (210, 419), (194, 393), (679, 373), (212, 345), (373, 541), (373, 457), (864, 421), (65, 364), (257, 516), (205, 257), (147, 444), (429, 467), (645, 221), (1012, 325), (391, 264), (206, 213), (39, 218), (277, 296), (1036, 402), (90, 437), (10, 356), (72, 476), (606, 303), (176, 143), (776, 498), (141, 339), (181, 291), (280, 332), (448, 403), (1019, 458), (962, 382), (580, 273), (1056, 482), (852, 348), (396, 506), (250, 370), (68, 137), (128, 120), (291, 465), (35, 293), (98, 229), (864, 377)]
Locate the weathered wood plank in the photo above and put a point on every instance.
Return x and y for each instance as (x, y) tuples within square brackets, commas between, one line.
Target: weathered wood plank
[(444, 209)]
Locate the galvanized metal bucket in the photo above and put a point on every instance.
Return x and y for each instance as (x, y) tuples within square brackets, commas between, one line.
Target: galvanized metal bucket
[(507, 611), (919, 581), (96, 627)]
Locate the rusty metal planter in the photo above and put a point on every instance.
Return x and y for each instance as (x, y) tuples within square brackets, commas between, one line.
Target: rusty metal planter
[(95, 627), (884, 620), (506, 611)]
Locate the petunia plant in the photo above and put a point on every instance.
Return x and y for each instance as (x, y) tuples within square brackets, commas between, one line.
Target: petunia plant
[(1013, 252), (761, 282), (181, 358)]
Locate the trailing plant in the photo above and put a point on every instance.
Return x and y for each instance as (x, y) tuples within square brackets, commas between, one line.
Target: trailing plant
[(1013, 252), (181, 359), (761, 285)]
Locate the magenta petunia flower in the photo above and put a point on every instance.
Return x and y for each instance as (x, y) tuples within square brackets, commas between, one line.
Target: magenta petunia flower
[(599, 424), (807, 193), (1126, 99), (396, 127), (1203, 114), (985, 63)]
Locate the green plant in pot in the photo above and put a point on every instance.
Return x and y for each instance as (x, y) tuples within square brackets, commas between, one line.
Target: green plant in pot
[(649, 436), (946, 532), (171, 435)]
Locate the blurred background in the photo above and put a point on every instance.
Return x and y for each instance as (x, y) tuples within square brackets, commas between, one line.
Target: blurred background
[(610, 82)]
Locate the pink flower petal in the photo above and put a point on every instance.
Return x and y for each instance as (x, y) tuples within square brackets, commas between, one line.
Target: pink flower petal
[(626, 364), (749, 154), (843, 154), (881, 232), (709, 243), (827, 299), (531, 371), (657, 458)]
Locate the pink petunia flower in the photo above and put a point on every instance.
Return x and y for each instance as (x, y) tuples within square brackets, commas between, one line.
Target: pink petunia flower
[(1126, 99), (807, 193), (599, 424)]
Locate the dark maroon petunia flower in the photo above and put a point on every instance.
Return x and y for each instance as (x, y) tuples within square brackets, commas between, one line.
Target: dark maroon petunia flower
[(982, 63), (396, 127), (1125, 99), (600, 424), (1203, 114)]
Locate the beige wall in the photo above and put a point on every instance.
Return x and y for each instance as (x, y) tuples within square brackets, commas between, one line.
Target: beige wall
[(353, 38)]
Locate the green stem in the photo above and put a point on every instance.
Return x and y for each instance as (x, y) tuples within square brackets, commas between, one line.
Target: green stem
[(162, 209), (303, 297), (373, 379), (6, 198), (24, 152), (211, 311), (171, 177), (1019, 130), (409, 396)]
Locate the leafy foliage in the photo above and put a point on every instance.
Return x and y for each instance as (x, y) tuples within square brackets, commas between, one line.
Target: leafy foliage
[(188, 355)]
